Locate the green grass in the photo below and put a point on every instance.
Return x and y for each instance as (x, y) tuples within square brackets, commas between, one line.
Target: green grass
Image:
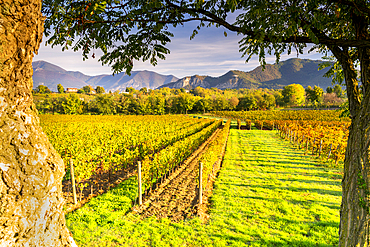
[(267, 194)]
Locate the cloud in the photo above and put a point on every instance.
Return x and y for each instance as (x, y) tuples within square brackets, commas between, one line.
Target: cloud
[(209, 53)]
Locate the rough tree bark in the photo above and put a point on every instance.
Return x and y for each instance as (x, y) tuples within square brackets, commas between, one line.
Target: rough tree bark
[(31, 170), (354, 224)]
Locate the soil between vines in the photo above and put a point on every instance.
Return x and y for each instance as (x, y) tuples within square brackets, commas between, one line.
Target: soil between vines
[(177, 198)]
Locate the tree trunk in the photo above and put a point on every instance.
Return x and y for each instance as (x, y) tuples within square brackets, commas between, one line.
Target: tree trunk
[(354, 213), (354, 223), (31, 171)]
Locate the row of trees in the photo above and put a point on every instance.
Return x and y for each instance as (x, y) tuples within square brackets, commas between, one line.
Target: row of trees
[(166, 101), (296, 95), (42, 89)]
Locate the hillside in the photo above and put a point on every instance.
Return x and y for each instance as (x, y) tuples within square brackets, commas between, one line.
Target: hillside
[(301, 71), (295, 70), (51, 75)]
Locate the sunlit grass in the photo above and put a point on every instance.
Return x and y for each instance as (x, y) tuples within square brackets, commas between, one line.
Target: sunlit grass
[(267, 194), (270, 194)]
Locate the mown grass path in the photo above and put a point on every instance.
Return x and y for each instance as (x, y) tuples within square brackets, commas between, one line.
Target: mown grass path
[(267, 194), (271, 194)]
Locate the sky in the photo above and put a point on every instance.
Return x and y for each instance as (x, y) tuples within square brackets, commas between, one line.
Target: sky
[(209, 53)]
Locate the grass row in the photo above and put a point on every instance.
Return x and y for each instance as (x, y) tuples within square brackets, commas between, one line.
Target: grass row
[(267, 194)]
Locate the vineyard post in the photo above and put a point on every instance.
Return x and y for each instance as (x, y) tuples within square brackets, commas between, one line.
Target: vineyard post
[(294, 138), (280, 131), (73, 181), (200, 182), (291, 135), (331, 145), (320, 147), (337, 156), (313, 145), (286, 132), (139, 182), (272, 126), (299, 138), (307, 144)]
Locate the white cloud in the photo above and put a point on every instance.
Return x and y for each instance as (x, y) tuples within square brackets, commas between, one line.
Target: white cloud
[(209, 53)]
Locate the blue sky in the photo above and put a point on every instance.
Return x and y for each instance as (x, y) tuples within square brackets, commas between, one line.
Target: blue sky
[(209, 53)]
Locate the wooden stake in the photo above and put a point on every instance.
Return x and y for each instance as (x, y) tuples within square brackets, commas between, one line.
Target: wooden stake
[(200, 182), (307, 144), (331, 145), (320, 147), (139, 182), (73, 181), (313, 145)]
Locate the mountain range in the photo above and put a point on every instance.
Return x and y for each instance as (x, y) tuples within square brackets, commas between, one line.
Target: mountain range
[(50, 75), (276, 76)]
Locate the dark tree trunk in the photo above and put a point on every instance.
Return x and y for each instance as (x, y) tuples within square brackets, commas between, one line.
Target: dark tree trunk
[(354, 213), (31, 171), (354, 208)]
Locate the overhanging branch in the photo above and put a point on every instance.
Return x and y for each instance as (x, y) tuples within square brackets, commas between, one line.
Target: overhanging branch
[(292, 39), (357, 6)]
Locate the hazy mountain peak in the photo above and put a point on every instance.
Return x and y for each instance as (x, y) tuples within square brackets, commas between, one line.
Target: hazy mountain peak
[(294, 70), (51, 75)]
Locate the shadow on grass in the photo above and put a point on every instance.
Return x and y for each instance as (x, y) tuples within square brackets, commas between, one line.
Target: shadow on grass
[(316, 174), (327, 182), (288, 188)]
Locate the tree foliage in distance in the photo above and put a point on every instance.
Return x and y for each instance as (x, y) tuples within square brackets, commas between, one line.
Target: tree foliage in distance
[(329, 90), (42, 89), (314, 95), (132, 30), (72, 104), (338, 91), (86, 89), (99, 90), (103, 104), (60, 88), (294, 94)]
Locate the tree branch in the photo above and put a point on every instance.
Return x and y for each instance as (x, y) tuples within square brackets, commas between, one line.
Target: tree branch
[(360, 8), (323, 39)]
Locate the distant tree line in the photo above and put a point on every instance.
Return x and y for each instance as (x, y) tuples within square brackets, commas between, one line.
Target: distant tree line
[(174, 101)]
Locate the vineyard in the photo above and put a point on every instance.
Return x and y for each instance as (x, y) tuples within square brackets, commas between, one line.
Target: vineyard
[(178, 159), (267, 193), (105, 150), (317, 115), (320, 132)]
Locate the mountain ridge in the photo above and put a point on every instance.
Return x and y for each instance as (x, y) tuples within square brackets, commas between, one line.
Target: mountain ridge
[(51, 75), (273, 76)]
